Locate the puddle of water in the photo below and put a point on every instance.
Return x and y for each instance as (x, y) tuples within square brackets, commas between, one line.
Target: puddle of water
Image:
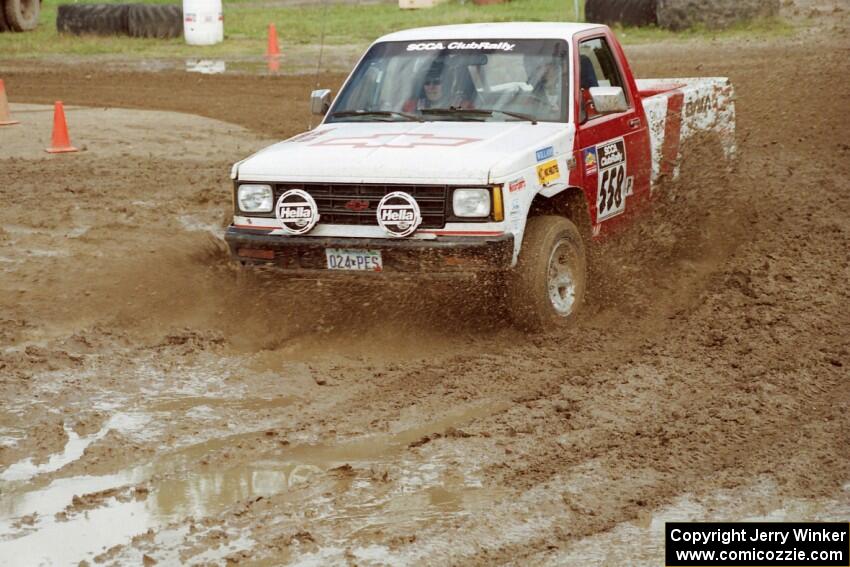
[(642, 542), (296, 60), (382, 446), (112, 520), (74, 448), (64, 531), (206, 66), (188, 403), (25, 470)]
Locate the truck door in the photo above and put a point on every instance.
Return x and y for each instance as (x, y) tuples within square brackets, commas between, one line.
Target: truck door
[(614, 154)]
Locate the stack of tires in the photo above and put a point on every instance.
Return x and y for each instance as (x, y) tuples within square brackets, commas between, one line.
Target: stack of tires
[(678, 14), (623, 12), (19, 15), (136, 20)]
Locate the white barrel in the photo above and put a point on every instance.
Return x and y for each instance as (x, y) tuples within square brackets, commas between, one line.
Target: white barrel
[(203, 22)]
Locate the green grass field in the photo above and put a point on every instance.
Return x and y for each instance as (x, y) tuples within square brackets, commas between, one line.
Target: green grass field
[(246, 23)]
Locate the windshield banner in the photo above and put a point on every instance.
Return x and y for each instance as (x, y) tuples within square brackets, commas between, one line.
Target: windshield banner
[(455, 45)]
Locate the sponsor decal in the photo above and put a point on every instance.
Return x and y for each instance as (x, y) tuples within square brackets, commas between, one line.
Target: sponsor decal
[(590, 161), (516, 185), (398, 214), (612, 184), (548, 172), (545, 153), (515, 215), (357, 205), (456, 45), (297, 212), (399, 140), (701, 105)]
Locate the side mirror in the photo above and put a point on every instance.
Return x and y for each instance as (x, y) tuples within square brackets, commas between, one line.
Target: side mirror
[(320, 101), (608, 100)]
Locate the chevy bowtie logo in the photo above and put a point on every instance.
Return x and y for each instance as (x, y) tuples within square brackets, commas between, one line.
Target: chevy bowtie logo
[(357, 205)]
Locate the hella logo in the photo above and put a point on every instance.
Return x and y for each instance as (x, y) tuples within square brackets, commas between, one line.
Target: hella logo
[(398, 214), (297, 212)]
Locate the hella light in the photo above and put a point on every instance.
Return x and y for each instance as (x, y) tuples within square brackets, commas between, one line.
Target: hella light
[(255, 198), (471, 202)]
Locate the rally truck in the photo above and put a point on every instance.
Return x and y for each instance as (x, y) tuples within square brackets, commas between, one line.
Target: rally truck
[(504, 149)]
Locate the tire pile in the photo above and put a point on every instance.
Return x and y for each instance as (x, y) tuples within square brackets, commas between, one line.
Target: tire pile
[(623, 12), (19, 15), (161, 21), (678, 14)]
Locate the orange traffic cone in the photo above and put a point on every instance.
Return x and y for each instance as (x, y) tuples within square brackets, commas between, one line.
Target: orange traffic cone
[(272, 50), (5, 115), (61, 143)]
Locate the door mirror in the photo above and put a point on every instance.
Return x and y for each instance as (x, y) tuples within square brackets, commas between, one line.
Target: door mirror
[(608, 100), (320, 101)]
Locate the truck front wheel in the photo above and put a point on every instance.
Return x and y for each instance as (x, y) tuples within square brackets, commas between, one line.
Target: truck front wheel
[(546, 289)]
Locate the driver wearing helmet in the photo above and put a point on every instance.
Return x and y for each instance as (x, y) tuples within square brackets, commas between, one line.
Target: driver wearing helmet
[(431, 95), (436, 93)]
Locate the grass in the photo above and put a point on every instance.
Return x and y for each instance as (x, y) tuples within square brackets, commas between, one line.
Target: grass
[(246, 23)]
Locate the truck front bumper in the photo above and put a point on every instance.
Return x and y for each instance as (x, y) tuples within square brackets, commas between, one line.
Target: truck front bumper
[(306, 254)]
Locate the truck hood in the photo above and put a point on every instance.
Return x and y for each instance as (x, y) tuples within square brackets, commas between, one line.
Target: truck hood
[(408, 152)]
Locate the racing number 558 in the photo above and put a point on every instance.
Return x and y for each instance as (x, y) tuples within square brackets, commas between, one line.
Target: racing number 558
[(611, 190)]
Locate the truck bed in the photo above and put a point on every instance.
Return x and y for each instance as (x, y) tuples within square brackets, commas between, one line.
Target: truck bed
[(676, 109)]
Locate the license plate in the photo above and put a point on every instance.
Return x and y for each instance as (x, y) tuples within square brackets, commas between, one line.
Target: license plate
[(347, 259)]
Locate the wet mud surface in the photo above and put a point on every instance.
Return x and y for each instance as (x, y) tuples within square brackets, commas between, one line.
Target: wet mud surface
[(155, 409)]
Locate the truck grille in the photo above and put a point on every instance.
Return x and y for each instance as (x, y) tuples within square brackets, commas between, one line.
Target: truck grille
[(362, 201)]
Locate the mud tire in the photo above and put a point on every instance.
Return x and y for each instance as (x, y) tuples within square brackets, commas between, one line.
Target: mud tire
[(528, 286), (19, 15), (625, 12), (3, 25), (97, 19), (159, 21)]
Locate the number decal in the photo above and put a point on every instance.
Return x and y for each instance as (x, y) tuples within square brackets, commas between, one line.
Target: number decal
[(613, 180), (618, 192), (600, 199)]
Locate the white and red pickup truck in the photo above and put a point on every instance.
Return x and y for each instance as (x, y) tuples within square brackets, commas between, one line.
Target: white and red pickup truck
[(467, 149)]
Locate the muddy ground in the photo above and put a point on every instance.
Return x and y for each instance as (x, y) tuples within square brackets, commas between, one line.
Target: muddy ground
[(153, 411)]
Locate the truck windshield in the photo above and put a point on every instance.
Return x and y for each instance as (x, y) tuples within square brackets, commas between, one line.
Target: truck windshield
[(497, 80)]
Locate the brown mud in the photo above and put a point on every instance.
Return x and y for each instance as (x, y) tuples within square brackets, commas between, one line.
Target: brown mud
[(153, 409)]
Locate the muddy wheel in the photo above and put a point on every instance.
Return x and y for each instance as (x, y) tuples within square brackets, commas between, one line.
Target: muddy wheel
[(546, 289), (21, 15)]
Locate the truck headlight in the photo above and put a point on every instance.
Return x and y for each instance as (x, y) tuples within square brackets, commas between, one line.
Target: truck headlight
[(255, 198), (471, 202)]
